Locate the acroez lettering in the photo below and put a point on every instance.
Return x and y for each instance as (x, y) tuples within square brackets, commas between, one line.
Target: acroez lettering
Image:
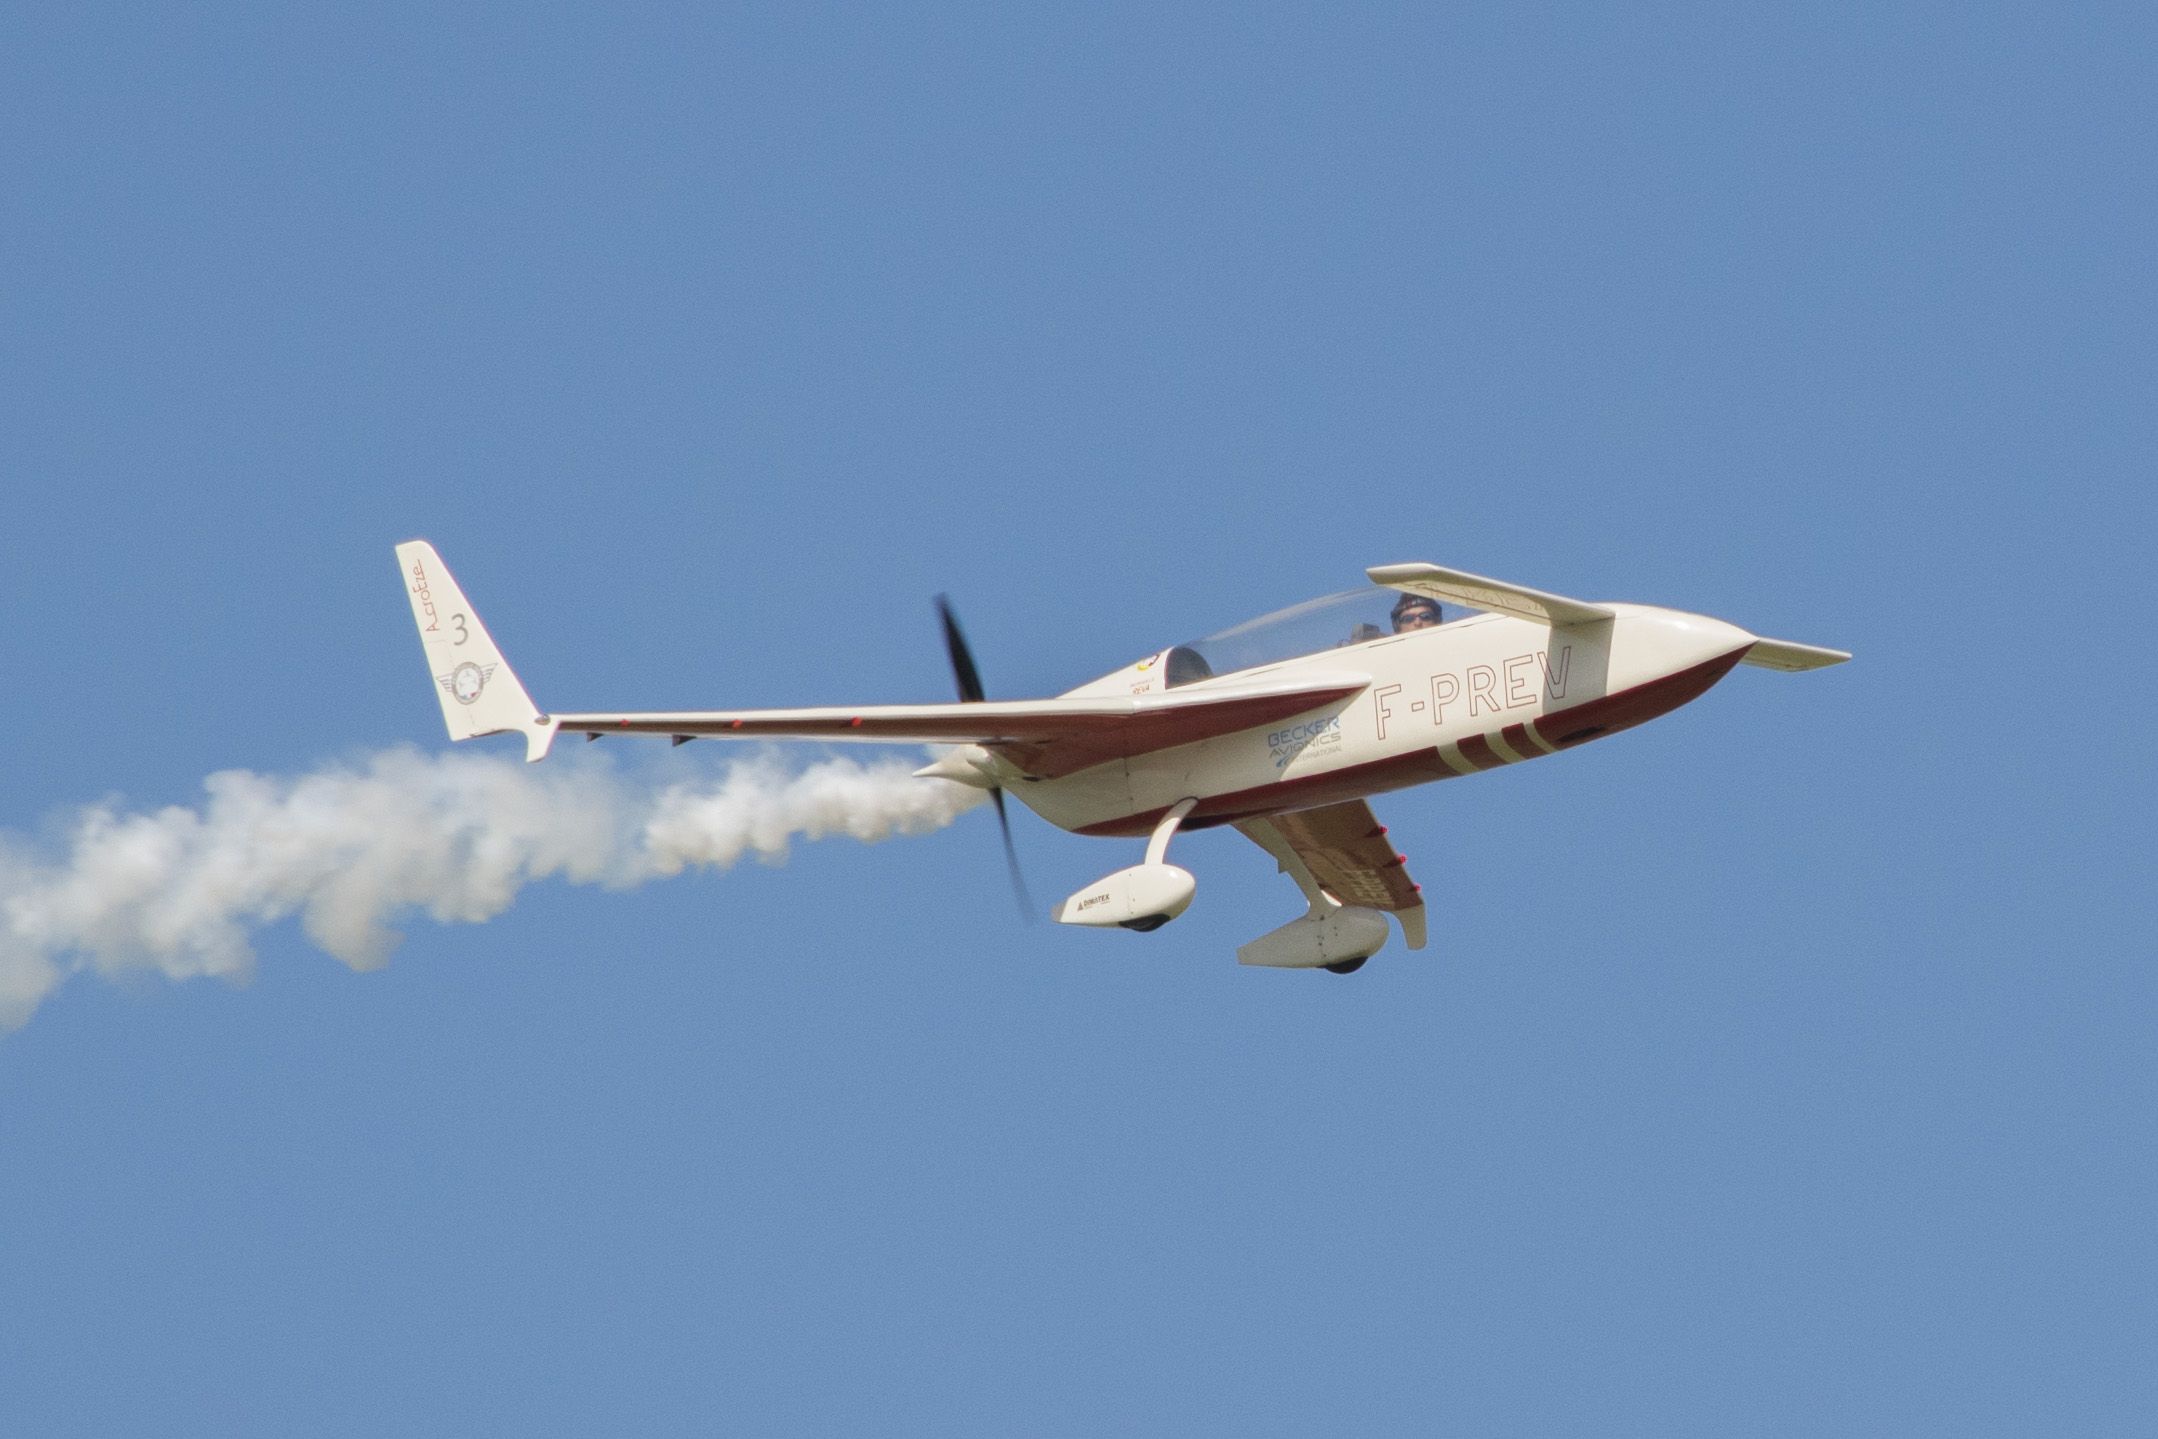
[(426, 598)]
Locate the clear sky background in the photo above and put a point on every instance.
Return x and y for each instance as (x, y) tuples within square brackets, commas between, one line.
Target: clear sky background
[(1782, 1067)]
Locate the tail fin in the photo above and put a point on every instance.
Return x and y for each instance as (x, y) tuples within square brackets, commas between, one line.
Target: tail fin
[(478, 690)]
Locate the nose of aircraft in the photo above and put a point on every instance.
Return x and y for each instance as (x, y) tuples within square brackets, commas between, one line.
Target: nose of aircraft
[(1667, 641)]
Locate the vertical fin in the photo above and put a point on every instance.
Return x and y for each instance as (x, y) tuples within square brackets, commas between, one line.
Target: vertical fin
[(479, 692)]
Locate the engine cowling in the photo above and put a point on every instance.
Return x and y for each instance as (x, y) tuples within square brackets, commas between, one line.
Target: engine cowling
[(1319, 939), (1146, 896)]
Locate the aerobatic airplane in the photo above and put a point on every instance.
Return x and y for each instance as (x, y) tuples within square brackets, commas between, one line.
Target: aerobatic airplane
[(1282, 726)]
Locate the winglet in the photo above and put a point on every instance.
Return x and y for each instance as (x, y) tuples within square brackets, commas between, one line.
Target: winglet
[(1462, 588), (478, 691)]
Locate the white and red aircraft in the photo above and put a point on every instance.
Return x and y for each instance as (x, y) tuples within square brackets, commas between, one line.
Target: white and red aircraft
[(1282, 726)]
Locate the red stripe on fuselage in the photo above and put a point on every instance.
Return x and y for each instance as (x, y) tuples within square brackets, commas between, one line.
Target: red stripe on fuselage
[(1599, 717), (1477, 751)]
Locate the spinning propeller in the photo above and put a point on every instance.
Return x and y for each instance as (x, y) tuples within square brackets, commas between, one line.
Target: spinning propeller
[(970, 692)]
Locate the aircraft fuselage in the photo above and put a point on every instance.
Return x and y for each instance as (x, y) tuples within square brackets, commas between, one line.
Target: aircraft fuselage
[(1454, 700)]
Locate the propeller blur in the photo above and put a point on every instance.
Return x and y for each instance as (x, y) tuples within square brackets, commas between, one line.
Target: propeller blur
[(970, 692)]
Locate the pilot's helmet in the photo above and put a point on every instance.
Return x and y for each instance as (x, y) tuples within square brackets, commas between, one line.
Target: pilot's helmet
[(1409, 604)]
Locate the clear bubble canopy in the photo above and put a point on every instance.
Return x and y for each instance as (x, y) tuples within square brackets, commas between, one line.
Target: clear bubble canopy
[(1331, 622)]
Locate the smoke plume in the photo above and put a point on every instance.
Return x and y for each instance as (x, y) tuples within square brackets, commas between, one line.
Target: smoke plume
[(179, 891)]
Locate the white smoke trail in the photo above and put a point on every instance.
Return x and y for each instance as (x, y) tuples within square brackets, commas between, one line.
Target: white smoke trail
[(179, 890)]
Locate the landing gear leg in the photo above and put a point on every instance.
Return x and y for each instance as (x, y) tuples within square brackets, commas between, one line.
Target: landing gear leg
[(1332, 936), (1157, 844), (1157, 847)]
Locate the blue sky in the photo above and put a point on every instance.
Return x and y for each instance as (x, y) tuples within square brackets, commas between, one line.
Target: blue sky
[(1782, 1067)]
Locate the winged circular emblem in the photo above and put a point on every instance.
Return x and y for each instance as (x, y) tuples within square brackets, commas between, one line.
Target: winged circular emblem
[(466, 681)]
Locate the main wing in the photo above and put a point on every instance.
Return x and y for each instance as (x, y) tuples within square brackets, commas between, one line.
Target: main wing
[(481, 695), (1342, 850), (1045, 738)]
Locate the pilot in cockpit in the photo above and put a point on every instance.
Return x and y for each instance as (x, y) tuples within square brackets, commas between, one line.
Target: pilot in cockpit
[(1416, 612)]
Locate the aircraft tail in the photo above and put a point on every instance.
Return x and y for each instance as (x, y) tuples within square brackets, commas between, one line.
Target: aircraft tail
[(478, 691)]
